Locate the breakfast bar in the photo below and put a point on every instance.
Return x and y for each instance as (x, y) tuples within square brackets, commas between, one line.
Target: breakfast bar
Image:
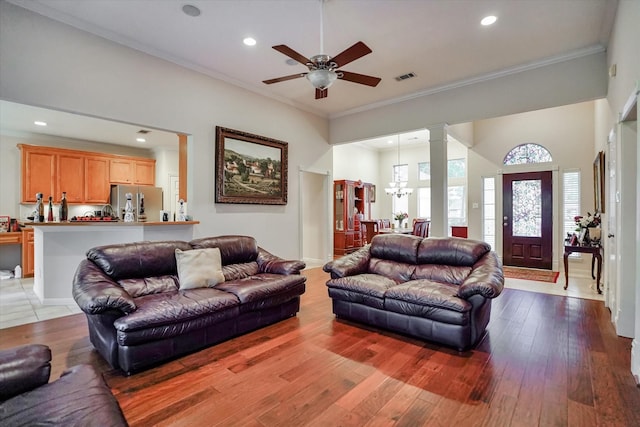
[(66, 243)]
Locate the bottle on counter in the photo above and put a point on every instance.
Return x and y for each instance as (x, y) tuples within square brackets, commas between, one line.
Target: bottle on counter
[(50, 214), (142, 217), (128, 209), (39, 214), (64, 208), (181, 211)]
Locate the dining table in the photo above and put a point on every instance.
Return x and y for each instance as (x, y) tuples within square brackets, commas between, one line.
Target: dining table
[(404, 230)]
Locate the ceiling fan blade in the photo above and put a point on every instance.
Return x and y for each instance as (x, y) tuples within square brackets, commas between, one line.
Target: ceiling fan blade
[(350, 54), (321, 93), (359, 78), (284, 78), (286, 50)]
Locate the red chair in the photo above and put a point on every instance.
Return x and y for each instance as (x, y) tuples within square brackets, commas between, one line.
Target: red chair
[(421, 228)]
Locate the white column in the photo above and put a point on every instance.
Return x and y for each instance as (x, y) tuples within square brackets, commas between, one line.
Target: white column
[(439, 182)]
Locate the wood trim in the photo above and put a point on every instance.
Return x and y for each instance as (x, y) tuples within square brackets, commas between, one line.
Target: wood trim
[(182, 166)]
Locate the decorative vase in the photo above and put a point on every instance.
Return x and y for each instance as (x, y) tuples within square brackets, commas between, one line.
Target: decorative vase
[(594, 234)]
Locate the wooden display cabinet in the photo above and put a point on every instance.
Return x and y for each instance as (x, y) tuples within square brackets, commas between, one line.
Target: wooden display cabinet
[(352, 202)]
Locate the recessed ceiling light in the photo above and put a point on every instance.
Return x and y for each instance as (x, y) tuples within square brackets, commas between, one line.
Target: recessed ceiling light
[(191, 10), (141, 140), (390, 141), (249, 41), (39, 123), (488, 20)]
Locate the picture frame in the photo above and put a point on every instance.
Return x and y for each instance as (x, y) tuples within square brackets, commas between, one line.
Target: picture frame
[(250, 169), (372, 194), (5, 224), (599, 182)]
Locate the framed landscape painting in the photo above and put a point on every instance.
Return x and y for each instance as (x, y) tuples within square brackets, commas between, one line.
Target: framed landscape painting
[(250, 168)]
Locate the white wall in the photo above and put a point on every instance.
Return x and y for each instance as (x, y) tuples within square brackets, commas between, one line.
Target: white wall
[(354, 162), (50, 64)]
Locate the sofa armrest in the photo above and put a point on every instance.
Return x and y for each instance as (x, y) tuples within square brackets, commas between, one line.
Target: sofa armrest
[(486, 278), (23, 368), (349, 265), (95, 292), (269, 263)]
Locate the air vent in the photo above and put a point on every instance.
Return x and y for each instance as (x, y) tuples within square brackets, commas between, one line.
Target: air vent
[(405, 76), (143, 131)]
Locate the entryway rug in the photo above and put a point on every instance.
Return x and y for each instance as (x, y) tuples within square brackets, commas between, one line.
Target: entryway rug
[(531, 274)]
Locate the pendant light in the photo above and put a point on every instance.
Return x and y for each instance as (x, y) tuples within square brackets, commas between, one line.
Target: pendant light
[(398, 188)]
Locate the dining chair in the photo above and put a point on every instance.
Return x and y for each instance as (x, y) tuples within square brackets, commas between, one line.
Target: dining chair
[(421, 228)]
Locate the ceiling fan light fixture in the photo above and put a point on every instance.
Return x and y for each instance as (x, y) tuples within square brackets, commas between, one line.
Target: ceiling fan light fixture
[(321, 79)]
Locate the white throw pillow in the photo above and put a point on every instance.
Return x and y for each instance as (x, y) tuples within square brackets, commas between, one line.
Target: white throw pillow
[(199, 268)]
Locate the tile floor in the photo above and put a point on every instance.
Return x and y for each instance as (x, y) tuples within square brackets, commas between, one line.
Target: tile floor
[(20, 305)]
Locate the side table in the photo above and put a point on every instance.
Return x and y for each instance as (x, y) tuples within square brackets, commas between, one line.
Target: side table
[(596, 254)]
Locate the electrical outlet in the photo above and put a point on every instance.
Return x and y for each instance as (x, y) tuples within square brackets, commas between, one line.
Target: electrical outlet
[(475, 206)]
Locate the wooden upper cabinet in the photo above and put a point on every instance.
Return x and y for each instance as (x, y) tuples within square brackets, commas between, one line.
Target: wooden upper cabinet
[(38, 174), (121, 171), (97, 188), (70, 177), (86, 177), (144, 172)]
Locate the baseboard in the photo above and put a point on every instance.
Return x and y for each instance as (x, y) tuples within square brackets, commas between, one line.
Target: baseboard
[(314, 262), (58, 301), (635, 360)]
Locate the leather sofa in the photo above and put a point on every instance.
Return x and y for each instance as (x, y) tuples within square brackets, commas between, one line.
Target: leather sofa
[(139, 314), (436, 289), (80, 397)]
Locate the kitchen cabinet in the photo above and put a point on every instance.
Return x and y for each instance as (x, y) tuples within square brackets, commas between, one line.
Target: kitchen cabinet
[(132, 171), (28, 249), (121, 171), (38, 171), (144, 172), (85, 176), (97, 188), (70, 177)]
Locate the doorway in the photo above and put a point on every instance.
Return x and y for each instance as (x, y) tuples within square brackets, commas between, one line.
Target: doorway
[(527, 212), (315, 243)]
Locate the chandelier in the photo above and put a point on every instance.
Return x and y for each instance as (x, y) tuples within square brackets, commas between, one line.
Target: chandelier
[(397, 187)]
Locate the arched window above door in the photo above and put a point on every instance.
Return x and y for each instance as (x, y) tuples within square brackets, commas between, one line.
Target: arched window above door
[(527, 153)]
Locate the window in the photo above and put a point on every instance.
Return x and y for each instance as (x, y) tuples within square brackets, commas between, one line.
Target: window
[(527, 153), (571, 206), (489, 211), (424, 202), (457, 204), (400, 204), (400, 173), (457, 168), (424, 171)]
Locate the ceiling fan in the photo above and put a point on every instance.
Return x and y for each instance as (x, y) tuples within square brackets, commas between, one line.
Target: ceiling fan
[(323, 69)]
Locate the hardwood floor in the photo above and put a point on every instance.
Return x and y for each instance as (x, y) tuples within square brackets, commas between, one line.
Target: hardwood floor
[(547, 360)]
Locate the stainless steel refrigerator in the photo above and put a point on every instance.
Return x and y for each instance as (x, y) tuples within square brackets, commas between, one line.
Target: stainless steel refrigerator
[(152, 200)]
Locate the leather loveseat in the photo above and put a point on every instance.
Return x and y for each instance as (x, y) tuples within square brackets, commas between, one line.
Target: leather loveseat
[(80, 397), (140, 311), (436, 289)]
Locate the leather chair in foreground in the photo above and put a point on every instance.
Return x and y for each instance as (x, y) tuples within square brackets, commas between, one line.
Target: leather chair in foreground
[(80, 397)]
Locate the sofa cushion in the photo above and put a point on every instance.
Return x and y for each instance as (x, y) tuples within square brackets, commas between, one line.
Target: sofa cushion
[(136, 260), (233, 249), (397, 271), (240, 271), (442, 273), (451, 251), (395, 247), (368, 289), (166, 314), (432, 300), (149, 285), (264, 290), (199, 268)]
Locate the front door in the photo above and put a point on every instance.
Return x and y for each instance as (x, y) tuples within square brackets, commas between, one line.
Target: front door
[(527, 219)]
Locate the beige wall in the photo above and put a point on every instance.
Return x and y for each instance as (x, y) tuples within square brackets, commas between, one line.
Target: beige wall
[(63, 68)]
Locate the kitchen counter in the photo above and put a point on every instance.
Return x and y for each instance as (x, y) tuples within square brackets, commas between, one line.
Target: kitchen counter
[(60, 246)]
